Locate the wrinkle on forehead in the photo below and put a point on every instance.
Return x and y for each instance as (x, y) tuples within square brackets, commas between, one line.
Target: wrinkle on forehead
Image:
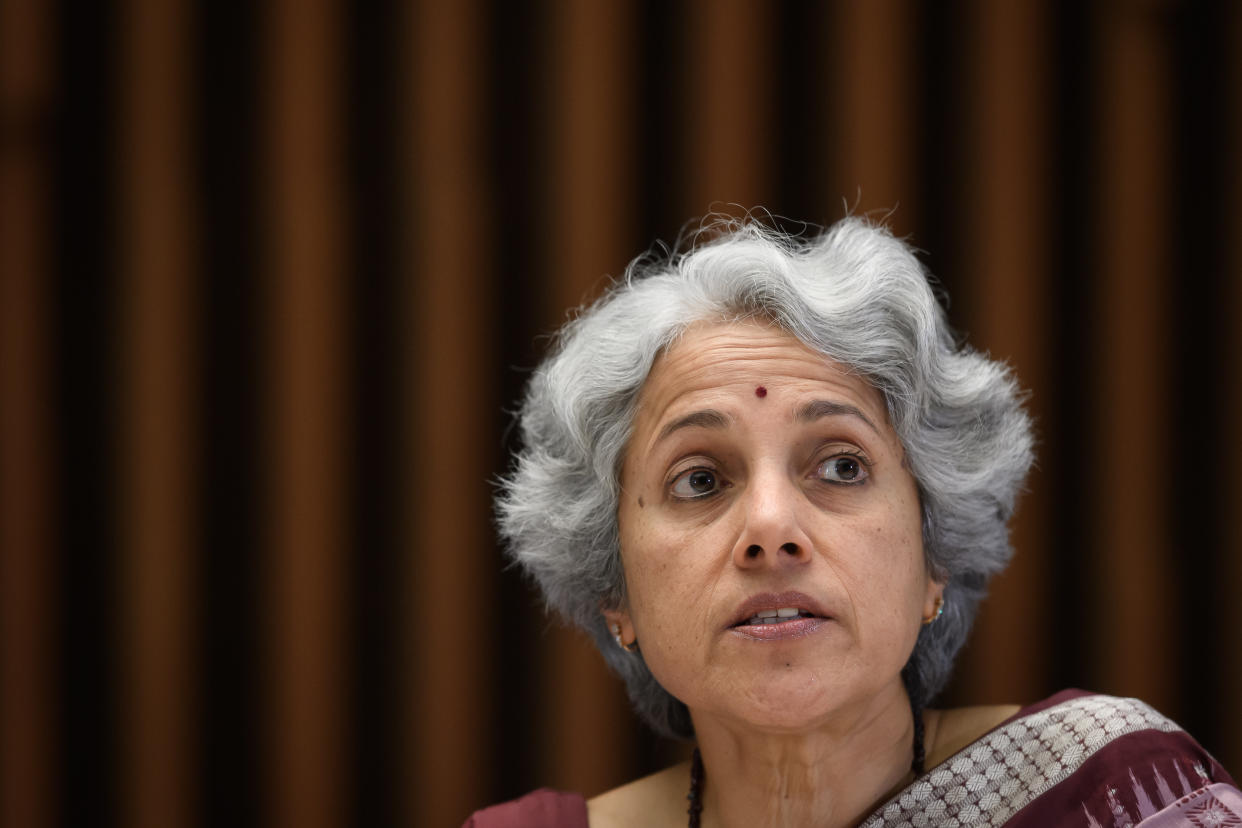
[(748, 351)]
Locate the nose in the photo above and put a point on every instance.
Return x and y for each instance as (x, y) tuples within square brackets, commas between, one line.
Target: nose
[(771, 534)]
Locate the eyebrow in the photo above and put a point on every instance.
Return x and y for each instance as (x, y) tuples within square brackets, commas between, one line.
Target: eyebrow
[(818, 409), (808, 413), (707, 418)]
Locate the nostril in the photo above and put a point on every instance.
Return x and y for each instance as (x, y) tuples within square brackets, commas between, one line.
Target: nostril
[(753, 551), (790, 548)]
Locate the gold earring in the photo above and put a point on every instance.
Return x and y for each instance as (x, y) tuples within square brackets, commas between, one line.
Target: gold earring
[(616, 634), (939, 611)]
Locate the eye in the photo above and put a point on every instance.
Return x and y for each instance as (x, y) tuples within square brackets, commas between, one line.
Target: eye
[(696, 483), (842, 468)]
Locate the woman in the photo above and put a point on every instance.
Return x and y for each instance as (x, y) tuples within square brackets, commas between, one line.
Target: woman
[(763, 477)]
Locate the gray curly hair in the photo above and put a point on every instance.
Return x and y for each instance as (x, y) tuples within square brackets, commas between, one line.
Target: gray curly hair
[(855, 294)]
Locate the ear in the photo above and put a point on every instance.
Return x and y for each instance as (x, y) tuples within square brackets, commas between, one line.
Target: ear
[(620, 624)]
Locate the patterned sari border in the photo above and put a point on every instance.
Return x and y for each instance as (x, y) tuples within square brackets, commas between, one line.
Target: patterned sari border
[(992, 779)]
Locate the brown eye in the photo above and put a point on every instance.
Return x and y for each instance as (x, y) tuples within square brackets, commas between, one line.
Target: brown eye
[(843, 468), (696, 483)]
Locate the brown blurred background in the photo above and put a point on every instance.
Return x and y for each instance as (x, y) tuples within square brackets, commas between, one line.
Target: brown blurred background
[(272, 274)]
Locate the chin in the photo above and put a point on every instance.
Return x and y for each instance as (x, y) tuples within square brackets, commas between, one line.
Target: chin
[(793, 702)]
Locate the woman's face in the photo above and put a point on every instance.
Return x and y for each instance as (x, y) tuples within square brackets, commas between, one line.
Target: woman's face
[(761, 479)]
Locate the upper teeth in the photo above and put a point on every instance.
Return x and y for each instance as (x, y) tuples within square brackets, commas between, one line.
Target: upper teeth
[(773, 616)]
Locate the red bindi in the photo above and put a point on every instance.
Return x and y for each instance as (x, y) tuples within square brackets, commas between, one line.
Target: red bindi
[(761, 391)]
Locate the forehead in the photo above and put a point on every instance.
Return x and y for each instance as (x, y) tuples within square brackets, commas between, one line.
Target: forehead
[(718, 361)]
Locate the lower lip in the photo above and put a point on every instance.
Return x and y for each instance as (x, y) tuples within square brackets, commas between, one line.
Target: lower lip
[(794, 628)]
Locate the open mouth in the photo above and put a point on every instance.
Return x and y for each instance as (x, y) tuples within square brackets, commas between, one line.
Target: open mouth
[(775, 616)]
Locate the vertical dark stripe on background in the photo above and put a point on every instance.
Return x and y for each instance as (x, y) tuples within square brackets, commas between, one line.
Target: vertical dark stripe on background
[(660, 118), (1231, 686), (1071, 269), (233, 476), (729, 73), (158, 410), (307, 414), (1200, 317), (85, 352), (502, 180), (874, 123), (938, 106), (450, 394), (1131, 349), (801, 147), (1203, 154), (1003, 282), (514, 193), (379, 291), (28, 713)]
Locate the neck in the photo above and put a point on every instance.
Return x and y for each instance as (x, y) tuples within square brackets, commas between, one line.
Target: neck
[(833, 774)]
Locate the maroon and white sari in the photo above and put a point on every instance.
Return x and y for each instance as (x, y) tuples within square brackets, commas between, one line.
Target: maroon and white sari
[(1073, 760)]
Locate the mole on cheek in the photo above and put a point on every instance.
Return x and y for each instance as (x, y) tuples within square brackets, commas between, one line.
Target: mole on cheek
[(761, 392), (640, 502)]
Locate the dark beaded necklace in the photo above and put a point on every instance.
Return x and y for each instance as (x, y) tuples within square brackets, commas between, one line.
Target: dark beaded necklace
[(696, 767), (696, 785)]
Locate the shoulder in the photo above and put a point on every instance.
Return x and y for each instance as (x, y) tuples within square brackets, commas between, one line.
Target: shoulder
[(543, 807), (645, 801)]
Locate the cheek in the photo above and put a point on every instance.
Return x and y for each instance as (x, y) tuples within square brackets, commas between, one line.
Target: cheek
[(894, 542), (889, 597), (903, 525), (648, 591), (656, 582), (665, 587), (894, 577), (647, 568)]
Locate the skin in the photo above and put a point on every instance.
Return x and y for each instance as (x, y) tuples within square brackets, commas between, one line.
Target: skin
[(727, 494)]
